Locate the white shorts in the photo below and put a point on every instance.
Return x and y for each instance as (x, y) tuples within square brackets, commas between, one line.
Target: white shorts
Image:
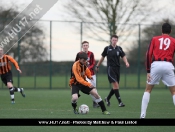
[(162, 70), (93, 82)]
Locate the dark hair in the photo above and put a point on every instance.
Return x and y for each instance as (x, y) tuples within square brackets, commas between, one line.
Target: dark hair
[(84, 42), (166, 28), (83, 55), (114, 36)]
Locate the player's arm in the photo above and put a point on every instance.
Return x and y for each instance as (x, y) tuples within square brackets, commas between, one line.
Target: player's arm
[(104, 53), (123, 56), (78, 76), (88, 73), (14, 62), (126, 61), (149, 54), (100, 61)]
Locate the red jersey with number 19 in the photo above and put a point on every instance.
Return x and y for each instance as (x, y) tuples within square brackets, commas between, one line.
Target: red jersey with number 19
[(161, 48)]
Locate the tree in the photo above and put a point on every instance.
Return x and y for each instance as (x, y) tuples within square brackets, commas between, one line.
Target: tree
[(110, 16), (148, 32), (31, 45)]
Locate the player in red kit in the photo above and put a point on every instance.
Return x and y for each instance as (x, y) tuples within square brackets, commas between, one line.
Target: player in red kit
[(90, 65), (159, 58)]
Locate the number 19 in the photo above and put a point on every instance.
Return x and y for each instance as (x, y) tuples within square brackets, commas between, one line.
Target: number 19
[(166, 42)]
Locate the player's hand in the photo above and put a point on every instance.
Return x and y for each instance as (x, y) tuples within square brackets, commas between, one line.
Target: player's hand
[(127, 64), (91, 78), (96, 69), (19, 70), (91, 86), (148, 77)]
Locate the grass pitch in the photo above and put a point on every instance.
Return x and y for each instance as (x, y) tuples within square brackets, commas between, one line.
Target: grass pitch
[(56, 104)]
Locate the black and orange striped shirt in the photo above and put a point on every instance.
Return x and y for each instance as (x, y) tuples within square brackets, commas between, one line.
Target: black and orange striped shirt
[(80, 72), (5, 64), (90, 61)]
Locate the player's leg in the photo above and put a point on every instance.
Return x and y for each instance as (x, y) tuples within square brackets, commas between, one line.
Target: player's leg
[(10, 84), (111, 93), (11, 90), (93, 82), (99, 101), (169, 79), (107, 99), (117, 94), (75, 93), (156, 74), (21, 90), (145, 100), (114, 77), (172, 90)]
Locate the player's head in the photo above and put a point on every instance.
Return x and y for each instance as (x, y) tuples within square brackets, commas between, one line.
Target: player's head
[(1, 51), (166, 28), (114, 39), (85, 46), (83, 58)]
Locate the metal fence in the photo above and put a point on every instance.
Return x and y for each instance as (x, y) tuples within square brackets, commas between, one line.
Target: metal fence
[(63, 41)]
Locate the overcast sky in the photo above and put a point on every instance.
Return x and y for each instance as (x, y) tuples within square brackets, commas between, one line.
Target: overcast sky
[(65, 38)]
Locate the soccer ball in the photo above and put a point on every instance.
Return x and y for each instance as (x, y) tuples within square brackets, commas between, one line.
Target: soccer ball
[(83, 109)]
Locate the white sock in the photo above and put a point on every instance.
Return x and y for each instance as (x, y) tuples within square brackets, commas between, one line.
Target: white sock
[(174, 99), (145, 101), (98, 100), (19, 89), (93, 98), (12, 96)]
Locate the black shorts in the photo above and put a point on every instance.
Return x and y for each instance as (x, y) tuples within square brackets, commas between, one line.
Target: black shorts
[(113, 74), (7, 77), (79, 87)]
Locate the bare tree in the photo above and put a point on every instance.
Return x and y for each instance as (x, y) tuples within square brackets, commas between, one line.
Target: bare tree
[(31, 45), (110, 16)]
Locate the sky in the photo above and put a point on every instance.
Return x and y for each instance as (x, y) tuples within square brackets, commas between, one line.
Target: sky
[(66, 36)]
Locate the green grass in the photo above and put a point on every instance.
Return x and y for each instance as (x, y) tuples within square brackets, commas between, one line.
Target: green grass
[(61, 81), (56, 104)]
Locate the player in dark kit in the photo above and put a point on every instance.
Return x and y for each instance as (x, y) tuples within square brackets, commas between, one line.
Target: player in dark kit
[(159, 58), (78, 83), (90, 65), (113, 53), (6, 74)]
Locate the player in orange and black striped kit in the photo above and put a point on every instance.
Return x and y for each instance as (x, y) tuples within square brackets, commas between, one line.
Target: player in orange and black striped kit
[(6, 74), (90, 65), (78, 83)]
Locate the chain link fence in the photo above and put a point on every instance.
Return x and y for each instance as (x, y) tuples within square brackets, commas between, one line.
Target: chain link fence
[(63, 41)]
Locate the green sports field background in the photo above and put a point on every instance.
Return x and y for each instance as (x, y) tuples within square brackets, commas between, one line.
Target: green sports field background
[(128, 81), (43, 101), (56, 103)]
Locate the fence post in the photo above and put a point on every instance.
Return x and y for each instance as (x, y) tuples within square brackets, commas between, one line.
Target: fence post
[(50, 54), (66, 82), (81, 33), (35, 76), (19, 41), (139, 57)]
